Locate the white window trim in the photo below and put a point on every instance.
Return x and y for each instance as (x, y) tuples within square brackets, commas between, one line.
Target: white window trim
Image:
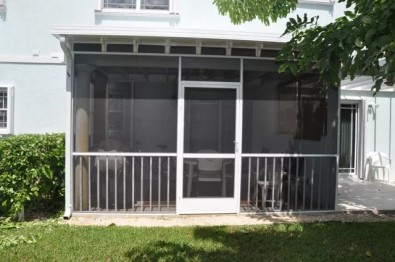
[(10, 111), (173, 9), (317, 2), (3, 5)]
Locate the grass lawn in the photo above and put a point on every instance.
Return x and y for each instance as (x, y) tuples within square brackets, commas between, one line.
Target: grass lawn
[(332, 241)]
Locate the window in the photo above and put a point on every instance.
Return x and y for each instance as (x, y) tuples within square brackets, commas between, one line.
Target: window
[(320, 2), (302, 101), (6, 110), (138, 5), (286, 114), (3, 5)]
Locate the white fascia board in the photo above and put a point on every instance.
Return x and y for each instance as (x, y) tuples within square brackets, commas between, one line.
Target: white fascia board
[(359, 81), (353, 85), (68, 30), (363, 83), (9, 59)]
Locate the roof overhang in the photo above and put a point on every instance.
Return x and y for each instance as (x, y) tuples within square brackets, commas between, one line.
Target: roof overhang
[(122, 33), (363, 83)]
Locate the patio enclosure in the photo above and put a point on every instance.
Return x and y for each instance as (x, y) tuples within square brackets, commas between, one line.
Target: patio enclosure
[(190, 134)]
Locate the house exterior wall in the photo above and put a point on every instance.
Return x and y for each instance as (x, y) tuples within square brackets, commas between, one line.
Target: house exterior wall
[(39, 92), (27, 21), (378, 123), (32, 61)]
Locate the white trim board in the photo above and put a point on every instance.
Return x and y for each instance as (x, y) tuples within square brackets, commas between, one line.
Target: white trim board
[(317, 2), (70, 30), (362, 83), (32, 60)]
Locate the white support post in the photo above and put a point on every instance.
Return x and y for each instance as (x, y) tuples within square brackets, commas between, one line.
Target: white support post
[(258, 50), (239, 137), (199, 47), (167, 46), (229, 45), (180, 140), (69, 128), (337, 148), (135, 46)]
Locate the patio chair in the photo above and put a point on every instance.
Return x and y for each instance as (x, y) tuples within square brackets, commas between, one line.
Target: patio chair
[(294, 180), (212, 170), (377, 161), (270, 186), (111, 165), (109, 146)]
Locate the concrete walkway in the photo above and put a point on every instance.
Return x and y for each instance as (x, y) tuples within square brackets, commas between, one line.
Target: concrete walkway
[(219, 220), (355, 194)]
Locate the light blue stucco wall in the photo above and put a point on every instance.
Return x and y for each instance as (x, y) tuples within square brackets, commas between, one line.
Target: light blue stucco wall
[(25, 27), (39, 104), (379, 123), (194, 14)]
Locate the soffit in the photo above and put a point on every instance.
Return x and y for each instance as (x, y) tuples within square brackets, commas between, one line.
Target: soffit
[(172, 36), (363, 83)]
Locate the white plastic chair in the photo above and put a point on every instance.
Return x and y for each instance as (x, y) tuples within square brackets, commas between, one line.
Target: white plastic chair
[(109, 146), (271, 183), (377, 161), (212, 170)]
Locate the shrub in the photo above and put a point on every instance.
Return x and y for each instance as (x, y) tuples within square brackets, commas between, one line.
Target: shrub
[(31, 172)]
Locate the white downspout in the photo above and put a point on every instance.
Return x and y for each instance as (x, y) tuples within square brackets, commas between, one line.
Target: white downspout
[(68, 144)]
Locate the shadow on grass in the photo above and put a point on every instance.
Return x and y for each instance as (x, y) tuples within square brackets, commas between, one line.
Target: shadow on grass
[(283, 242), (171, 251)]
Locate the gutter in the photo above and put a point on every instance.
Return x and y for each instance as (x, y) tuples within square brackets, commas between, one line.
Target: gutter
[(68, 182)]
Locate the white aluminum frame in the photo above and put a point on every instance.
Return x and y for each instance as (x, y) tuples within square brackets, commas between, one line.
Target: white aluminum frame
[(125, 154), (359, 133), (202, 202), (208, 205), (69, 149), (173, 9), (10, 110)]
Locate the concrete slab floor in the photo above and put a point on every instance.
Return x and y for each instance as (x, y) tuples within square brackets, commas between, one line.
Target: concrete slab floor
[(362, 199), (356, 194), (220, 220)]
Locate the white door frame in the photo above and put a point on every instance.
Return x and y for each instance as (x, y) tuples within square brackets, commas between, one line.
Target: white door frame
[(208, 205), (360, 133)]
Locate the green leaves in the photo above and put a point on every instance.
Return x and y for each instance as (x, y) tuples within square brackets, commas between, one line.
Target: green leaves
[(358, 43), (349, 14), (31, 172), (9, 241), (362, 42), (267, 11)]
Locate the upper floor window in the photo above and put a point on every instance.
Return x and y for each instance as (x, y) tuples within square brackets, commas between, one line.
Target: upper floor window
[(3, 4), (323, 2), (6, 110), (138, 4)]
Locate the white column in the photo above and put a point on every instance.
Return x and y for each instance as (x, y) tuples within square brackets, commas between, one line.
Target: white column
[(81, 135)]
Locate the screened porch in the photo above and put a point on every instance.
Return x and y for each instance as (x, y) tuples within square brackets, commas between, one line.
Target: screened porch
[(188, 134)]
